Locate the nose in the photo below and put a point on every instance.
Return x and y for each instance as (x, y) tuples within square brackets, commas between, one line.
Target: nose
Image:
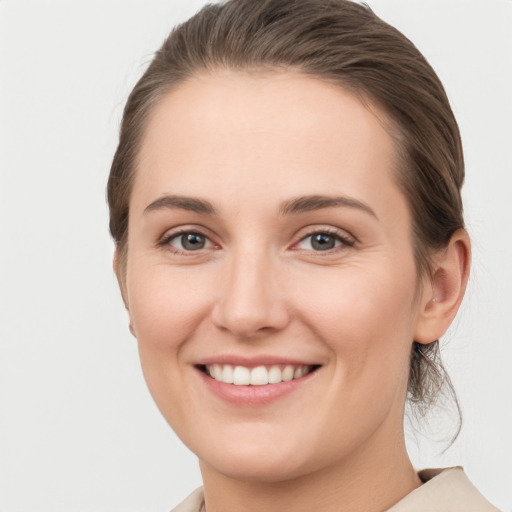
[(251, 300)]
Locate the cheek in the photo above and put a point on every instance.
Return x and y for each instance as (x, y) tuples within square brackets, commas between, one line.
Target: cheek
[(366, 316), (166, 308), (360, 299), (366, 319), (165, 305)]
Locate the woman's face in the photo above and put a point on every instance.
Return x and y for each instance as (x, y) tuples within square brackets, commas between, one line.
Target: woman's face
[(269, 241)]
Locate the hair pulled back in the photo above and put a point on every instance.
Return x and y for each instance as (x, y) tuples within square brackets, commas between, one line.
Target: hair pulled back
[(347, 44)]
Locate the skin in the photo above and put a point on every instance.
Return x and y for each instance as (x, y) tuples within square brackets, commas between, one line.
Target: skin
[(249, 144)]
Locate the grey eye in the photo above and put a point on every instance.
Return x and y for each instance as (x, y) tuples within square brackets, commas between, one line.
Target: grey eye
[(322, 242), (190, 242)]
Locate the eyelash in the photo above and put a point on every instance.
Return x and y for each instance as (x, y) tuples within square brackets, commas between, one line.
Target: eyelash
[(338, 236), (165, 242), (344, 240)]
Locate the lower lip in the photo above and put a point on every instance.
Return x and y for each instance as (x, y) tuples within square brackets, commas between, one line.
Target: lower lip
[(253, 395)]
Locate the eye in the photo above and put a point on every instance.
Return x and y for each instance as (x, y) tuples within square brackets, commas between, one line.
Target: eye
[(323, 241), (188, 241)]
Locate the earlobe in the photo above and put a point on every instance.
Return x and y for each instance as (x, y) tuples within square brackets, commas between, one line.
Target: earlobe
[(443, 294)]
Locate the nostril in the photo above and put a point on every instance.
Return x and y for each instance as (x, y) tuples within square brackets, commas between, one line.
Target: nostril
[(247, 321)]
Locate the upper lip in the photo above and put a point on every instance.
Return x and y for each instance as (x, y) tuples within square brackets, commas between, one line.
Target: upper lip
[(252, 362)]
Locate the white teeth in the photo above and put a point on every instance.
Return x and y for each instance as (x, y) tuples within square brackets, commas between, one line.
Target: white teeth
[(241, 376), (299, 372), (288, 373), (275, 375), (258, 376), (227, 374), (217, 372)]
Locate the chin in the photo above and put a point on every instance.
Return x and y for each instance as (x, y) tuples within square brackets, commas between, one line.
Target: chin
[(257, 466), (265, 459)]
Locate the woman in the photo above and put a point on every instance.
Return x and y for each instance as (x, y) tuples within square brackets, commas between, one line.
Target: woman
[(285, 202)]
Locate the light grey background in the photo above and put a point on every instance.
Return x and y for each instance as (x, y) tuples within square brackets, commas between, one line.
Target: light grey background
[(78, 429)]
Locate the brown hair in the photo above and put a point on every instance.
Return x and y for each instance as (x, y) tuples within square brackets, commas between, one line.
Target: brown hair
[(346, 44)]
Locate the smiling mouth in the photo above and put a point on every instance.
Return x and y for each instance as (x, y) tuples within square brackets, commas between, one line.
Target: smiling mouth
[(257, 376)]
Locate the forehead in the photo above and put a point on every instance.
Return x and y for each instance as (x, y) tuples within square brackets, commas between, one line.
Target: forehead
[(284, 131)]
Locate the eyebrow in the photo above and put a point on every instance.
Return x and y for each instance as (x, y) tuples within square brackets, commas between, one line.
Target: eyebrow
[(318, 202), (294, 206), (191, 204)]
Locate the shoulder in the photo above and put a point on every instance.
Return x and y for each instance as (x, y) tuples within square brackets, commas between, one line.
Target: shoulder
[(191, 504), (444, 490)]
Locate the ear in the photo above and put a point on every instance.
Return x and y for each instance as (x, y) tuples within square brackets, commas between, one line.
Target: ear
[(443, 293), (120, 277), (120, 272)]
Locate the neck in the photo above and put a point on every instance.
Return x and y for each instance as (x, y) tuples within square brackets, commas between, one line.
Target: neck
[(370, 481)]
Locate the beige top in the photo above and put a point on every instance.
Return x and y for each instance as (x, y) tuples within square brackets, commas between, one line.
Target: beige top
[(444, 490)]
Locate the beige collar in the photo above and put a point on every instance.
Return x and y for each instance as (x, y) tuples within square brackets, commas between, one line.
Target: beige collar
[(446, 490)]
